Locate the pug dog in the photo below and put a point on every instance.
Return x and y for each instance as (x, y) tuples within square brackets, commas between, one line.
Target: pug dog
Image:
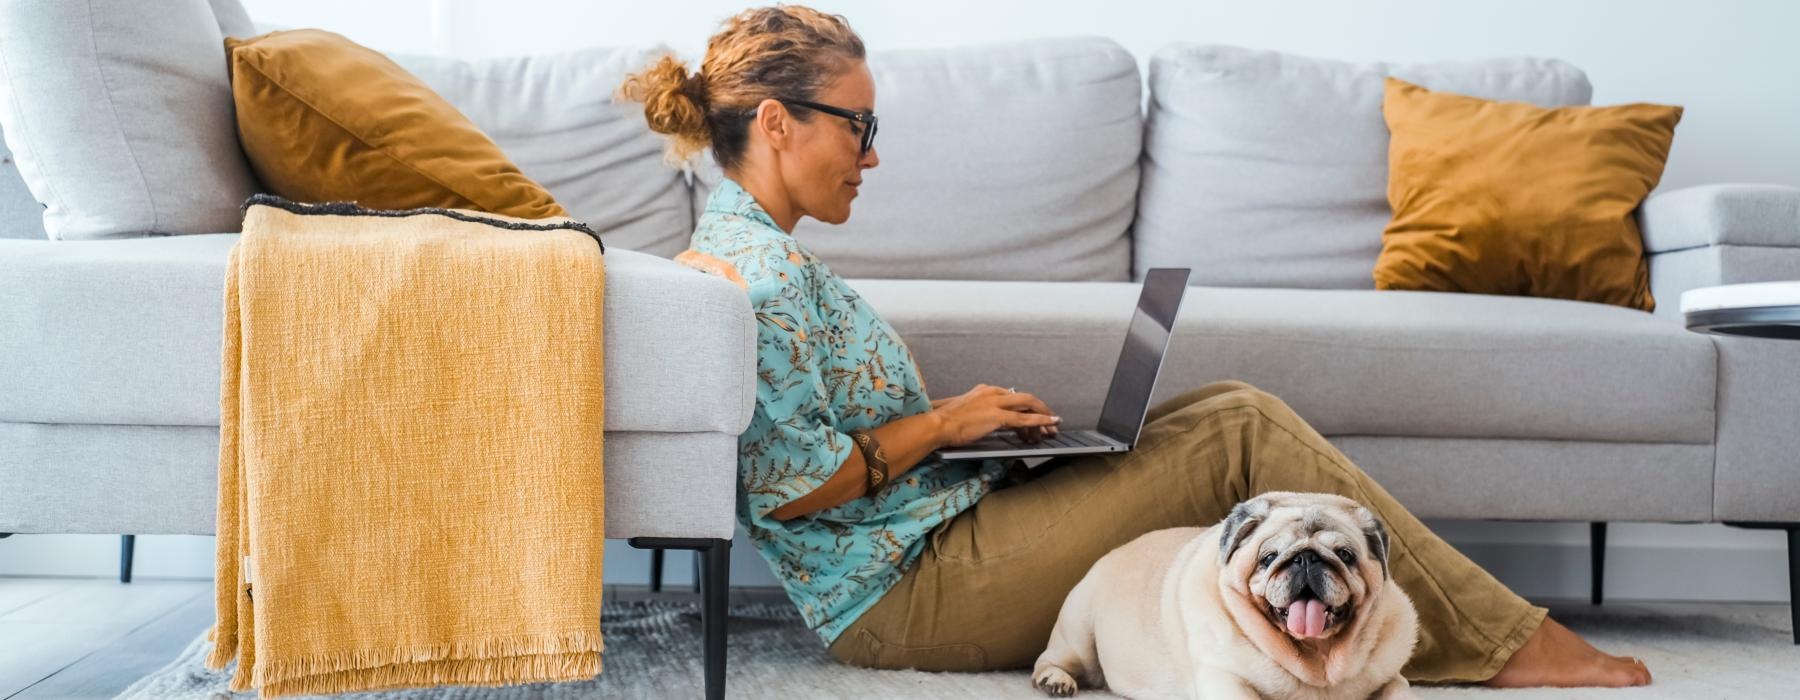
[(1288, 597)]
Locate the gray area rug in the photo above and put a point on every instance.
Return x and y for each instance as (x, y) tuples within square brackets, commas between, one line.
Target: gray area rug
[(653, 651)]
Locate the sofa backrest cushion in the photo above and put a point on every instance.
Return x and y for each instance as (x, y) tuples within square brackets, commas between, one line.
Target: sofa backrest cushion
[(555, 117), (233, 20), (119, 116), (1012, 161), (21, 216), (1264, 169)]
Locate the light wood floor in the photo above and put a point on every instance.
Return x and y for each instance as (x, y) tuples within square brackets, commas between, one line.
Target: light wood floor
[(68, 638)]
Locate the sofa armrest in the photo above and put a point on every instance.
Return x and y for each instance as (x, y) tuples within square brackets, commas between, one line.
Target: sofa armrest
[(1719, 234), (1732, 234), (1730, 214)]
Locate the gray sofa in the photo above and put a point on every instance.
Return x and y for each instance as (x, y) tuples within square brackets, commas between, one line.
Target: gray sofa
[(1022, 188), (109, 345)]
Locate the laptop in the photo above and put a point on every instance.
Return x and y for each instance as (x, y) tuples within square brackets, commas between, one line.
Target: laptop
[(1134, 378)]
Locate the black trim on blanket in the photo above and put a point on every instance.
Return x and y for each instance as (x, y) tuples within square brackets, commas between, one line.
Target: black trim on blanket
[(353, 209)]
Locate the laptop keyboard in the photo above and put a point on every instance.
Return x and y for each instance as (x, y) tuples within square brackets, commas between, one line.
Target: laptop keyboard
[(1069, 439)]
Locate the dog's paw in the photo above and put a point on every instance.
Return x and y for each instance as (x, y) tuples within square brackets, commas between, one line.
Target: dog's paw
[(1054, 681)]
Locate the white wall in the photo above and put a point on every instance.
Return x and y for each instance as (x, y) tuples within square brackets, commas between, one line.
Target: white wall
[(1734, 64)]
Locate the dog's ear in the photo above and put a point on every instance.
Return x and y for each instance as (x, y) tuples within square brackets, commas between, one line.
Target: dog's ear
[(1239, 524), (1377, 536)]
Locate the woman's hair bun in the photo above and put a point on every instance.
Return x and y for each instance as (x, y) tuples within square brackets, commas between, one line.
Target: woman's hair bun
[(674, 104)]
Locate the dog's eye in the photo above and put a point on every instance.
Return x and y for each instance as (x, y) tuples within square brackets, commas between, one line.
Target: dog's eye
[(1266, 561), (1345, 554)]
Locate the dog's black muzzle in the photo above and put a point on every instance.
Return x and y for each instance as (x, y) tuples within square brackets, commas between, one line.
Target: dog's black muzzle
[(1309, 579)]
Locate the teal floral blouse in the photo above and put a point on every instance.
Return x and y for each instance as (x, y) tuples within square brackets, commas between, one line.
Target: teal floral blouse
[(826, 364)]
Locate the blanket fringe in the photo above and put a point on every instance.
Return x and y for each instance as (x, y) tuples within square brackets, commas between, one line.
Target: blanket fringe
[(224, 648), (510, 654), (470, 672)]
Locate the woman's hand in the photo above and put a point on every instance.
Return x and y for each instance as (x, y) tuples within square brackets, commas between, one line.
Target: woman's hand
[(985, 409)]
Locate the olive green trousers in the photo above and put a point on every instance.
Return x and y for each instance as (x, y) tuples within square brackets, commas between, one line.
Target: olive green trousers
[(986, 591)]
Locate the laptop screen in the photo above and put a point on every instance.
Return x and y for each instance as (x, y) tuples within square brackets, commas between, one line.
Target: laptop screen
[(1134, 378)]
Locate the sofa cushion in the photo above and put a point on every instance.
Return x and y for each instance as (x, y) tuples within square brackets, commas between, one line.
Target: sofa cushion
[(128, 331), (1352, 362), (1512, 479), (119, 114), (555, 117), (1264, 169), (21, 216), (233, 20), (1011, 161)]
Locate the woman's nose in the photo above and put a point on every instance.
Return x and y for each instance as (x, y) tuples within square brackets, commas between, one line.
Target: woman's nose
[(870, 159)]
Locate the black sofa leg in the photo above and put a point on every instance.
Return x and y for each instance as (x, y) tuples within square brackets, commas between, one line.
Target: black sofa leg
[(714, 573), (656, 570), (1597, 554), (127, 546), (714, 614), (1793, 533)]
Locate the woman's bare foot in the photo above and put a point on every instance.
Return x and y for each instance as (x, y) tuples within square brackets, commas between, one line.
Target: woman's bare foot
[(1555, 656)]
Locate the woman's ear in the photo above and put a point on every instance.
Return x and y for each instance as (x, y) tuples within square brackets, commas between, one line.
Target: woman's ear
[(775, 123)]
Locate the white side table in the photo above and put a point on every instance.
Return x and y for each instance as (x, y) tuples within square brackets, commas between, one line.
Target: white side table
[(1760, 310)]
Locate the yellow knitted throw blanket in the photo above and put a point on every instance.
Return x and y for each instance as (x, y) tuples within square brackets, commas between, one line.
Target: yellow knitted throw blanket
[(410, 450)]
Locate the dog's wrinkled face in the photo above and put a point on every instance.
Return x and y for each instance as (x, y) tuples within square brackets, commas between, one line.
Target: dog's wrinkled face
[(1310, 562)]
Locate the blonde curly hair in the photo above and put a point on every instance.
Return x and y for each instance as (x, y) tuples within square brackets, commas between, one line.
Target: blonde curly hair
[(782, 52)]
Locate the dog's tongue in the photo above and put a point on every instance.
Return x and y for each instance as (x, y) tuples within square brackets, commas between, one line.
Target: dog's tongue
[(1306, 618)]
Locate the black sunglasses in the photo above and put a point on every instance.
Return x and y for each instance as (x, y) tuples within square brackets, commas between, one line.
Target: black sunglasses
[(867, 120)]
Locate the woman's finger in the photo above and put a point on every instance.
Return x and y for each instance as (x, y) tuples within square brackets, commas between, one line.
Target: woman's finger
[(1034, 407), (1027, 419), (1022, 401), (1039, 408)]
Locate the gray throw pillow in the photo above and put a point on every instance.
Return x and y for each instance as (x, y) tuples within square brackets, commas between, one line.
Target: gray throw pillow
[(119, 115)]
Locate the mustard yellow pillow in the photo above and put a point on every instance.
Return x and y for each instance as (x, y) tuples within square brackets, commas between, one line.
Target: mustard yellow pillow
[(324, 119), (1511, 198)]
